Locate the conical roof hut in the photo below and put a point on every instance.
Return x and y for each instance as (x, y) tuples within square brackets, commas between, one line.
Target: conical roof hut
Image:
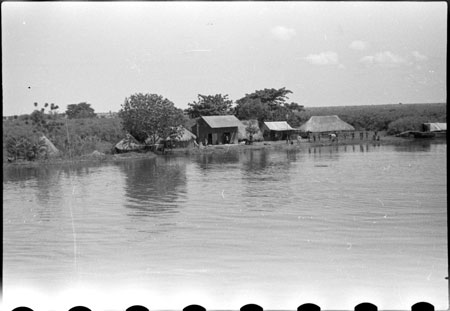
[(320, 124), (49, 147), (129, 143), (184, 139), (184, 135)]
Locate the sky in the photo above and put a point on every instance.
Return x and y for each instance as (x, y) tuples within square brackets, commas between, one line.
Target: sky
[(326, 53)]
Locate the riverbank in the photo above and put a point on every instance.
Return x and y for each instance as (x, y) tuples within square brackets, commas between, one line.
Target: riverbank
[(98, 157), (299, 145), (95, 157)]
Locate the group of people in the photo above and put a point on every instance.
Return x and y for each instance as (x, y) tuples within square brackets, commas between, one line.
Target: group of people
[(226, 140), (333, 137)]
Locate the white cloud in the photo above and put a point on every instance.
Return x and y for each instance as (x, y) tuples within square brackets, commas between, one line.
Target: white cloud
[(283, 33), (358, 45), (418, 56), (385, 58), (324, 58)]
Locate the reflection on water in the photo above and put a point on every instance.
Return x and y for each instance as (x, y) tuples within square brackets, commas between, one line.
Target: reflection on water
[(419, 145), (153, 186), (334, 151), (254, 160), (46, 180), (343, 221), (222, 157)]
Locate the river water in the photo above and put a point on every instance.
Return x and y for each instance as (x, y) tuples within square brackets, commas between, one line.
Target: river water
[(335, 226)]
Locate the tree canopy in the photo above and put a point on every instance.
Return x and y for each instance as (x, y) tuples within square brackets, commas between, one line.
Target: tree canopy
[(80, 111), (150, 116), (252, 109), (268, 105), (210, 105), (273, 97), (45, 122)]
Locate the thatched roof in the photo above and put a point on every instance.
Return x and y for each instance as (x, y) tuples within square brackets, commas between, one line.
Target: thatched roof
[(317, 124), (49, 147), (129, 143), (222, 121), (184, 135), (278, 126)]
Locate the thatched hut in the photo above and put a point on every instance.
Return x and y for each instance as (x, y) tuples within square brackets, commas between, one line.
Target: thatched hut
[(129, 143), (184, 139), (325, 124), (48, 147), (277, 130)]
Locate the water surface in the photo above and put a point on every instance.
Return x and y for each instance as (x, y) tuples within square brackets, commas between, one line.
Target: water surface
[(331, 225)]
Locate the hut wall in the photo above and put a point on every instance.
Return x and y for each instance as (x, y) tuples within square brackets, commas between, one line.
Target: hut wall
[(215, 136), (277, 135)]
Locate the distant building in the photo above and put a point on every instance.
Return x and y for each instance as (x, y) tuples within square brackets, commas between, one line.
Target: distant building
[(435, 127), (277, 130), (217, 130), (325, 124), (439, 129)]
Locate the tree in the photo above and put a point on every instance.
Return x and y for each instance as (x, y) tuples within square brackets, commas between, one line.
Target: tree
[(150, 116), (80, 111), (268, 105), (251, 129), (273, 97), (252, 109), (210, 105), (45, 123), (410, 123)]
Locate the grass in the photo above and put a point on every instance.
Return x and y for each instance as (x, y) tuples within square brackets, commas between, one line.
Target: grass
[(74, 137)]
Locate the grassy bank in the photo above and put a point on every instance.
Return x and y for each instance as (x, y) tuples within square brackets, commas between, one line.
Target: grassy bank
[(303, 145), (77, 139), (73, 137)]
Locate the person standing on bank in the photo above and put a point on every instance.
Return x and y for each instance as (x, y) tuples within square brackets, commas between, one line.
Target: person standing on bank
[(332, 137)]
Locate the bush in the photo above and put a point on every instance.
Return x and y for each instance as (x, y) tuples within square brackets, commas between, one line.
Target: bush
[(406, 124), (69, 136), (24, 148)]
